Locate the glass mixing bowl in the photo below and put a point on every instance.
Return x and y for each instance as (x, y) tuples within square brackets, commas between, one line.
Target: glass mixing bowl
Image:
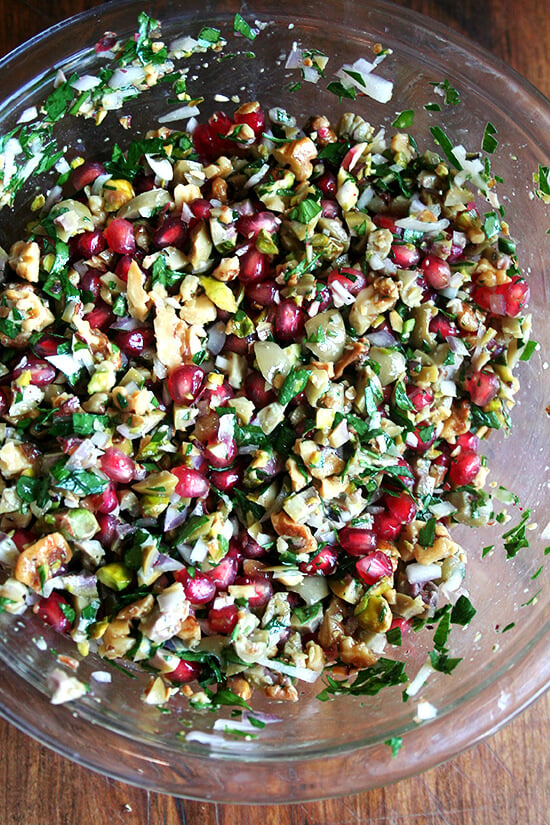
[(320, 749)]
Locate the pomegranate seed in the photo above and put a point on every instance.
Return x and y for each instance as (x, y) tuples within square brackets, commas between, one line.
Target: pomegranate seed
[(224, 573), (262, 293), (327, 183), (204, 143), (90, 284), (119, 235), (263, 590), (221, 454), (402, 507), (357, 540), (101, 316), (443, 327), (47, 345), (323, 563), (133, 342), (253, 267), (258, 390), (106, 42), (85, 174), (329, 209), (386, 526), (4, 400), (199, 589), (351, 279), (506, 299), (482, 387), (23, 537), (88, 244), (171, 232), (464, 468), (191, 484), (404, 255), (387, 222), (223, 619), (122, 267), (373, 567), (401, 623), (235, 344), (226, 480), (216, 397), (250, 226), (422, 443), (407, 478), (201, 208), (42, 372), (255, 119), (51, 612), (436, 271), (184, 383), (105, 502), (469, 441), (107, 528), (185, 672), (143, 183), (419, 397), (117, 466), (289, 320), (251, 549)]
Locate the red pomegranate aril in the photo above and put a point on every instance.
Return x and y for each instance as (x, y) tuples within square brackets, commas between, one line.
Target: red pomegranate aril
[(107, 501), (4, 400), (134, 342), (90, 283), (253, 267), (106, 42), (100, 317), (171, 232), (263, 590), (107, 528), (119, 235), (386, 526), (255, 119), (88, 244), (404, 255), (226, 480), (117, 466), (420, 397), (42, 373), (85, 174), (224, 573), (122, 267), (323, 563), (443, 327), (221, 454), (235, 344), (351, 279), (184, 383), (463, 468), (402, 507), (357, 540), (262, 293), (201, 208), (289, 321), (482, 387), (47, 345), (250, 226), (506, 299), (191, 484), (143, 183), (436, 271), (217, 397), (407, 479), (223, 619), (387, 222), (220, 123), (374, 567), (258, 390), (199, 589), (185, 672), (23, 537), (469, 441), (251, 549), (49, 609), (422, 441), (329, 209), (327, 183), (203, 142)]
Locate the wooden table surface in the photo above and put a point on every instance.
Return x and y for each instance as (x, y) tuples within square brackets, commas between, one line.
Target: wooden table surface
[(504, 780)]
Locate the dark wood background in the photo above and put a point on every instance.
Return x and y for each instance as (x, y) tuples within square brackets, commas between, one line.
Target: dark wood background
[(503, 781)]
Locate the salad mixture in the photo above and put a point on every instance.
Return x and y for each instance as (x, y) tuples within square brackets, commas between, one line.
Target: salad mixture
[(246, 372)]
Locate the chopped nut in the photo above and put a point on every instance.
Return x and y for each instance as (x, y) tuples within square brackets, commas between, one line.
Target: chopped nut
[(282, 693), (40, 560), (139, 302), (355, 653), (300, 533), (25, 260), (297, 154), (373, 300)]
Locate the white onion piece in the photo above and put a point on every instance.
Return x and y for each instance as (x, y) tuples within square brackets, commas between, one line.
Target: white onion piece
[(11, 150), (365, 197), (84, 457), (174, 518), (425, 711), (310, 74), (497, 303), (179, 114), (8, 551), (216, 338), (128, 76), (341, 294), (184, 44), (99, 183), (302, 673), (102, 676), (166, 564), (257, 176), (226, 428), (212, 739), (418, 573), (192, 124), (161, 167), (85, 83), (384, 338), (420, 679), (448, 388), (457, 345), (112, 100), (126, 323), (65, 362), (442, 509), (31, 113), (422, 226), (295, 57)]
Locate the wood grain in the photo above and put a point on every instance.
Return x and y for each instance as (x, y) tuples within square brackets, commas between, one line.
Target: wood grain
[(504, 780)]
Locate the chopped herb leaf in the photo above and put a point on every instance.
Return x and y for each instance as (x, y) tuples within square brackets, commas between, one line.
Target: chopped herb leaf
[(240, 26), (463, 611), (515, 539), (337, 88), (441, 138), (368, 682), (395, 743), (404, 120)]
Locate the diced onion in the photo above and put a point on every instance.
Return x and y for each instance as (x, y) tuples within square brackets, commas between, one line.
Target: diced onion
[(85, 83), (417, 573), (422, 226), (302, 673), (31, 113), (179, 114), (420, 679)]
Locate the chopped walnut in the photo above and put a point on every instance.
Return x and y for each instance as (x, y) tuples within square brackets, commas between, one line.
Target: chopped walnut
[(354, 352), (356, 653), (25, 260), (299, 533), (282, 693), (373, 300), (227, 270), (442, 547), (35, 314), (139, 302), (41, 560), (297, 154)]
